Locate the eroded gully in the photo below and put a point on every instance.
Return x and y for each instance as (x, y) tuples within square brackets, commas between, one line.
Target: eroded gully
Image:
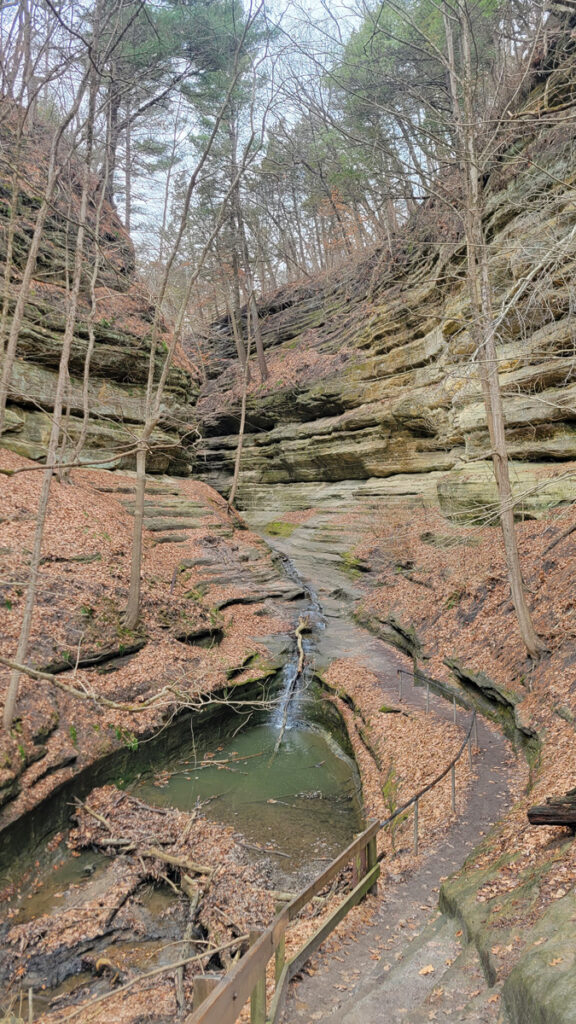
[(411, 963)]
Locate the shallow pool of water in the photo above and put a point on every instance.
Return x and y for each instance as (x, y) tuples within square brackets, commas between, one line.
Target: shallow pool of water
[(299, 805)]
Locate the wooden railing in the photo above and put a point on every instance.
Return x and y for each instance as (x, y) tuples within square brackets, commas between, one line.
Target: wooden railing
[(247, 979), (219, 999)]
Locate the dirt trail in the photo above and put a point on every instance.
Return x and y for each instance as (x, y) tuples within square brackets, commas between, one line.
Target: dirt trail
[(377, 977), (412, 964)]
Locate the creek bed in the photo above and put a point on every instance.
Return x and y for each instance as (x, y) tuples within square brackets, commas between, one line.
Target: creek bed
[(284, 779), (292, 810), (298, 807)]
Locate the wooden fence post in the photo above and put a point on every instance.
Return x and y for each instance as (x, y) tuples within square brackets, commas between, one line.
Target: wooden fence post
[(280, 951), (203, 986), (416, 827), (258, 997), (371, 861)]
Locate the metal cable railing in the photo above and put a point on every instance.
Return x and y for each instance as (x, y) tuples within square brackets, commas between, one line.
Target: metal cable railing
[(467, 742)]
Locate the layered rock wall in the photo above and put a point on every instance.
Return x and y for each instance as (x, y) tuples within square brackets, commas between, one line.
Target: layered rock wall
[(395, 405), (121, 320)]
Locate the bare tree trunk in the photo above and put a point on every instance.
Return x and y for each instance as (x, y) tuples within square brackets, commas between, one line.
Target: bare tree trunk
[(234, 313), (155, 392), (251, 304), (91, 334), (240, 444), (9, 261), (51, 458), (128, 174), (256, 330), (166, 203), (112, 135), (482, 325), (133, 605), (54, 171)]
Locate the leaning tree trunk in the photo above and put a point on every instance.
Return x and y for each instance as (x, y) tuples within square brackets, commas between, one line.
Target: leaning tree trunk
[(54, 170), (482, 318), (51, 457), (240, 443), (133, 605)]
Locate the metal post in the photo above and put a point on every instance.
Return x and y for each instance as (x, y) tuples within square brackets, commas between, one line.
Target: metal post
[(470, 750), (258, 997), (476, 744), (454, 788), (427, 697), (416, 827)]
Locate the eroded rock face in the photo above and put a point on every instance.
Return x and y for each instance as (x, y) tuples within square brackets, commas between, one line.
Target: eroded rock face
[(121, 321), (396, 394)]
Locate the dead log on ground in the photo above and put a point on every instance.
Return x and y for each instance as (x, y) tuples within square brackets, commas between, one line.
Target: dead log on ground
[(558, 810)]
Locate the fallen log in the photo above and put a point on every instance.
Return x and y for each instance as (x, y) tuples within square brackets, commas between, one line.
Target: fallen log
[(553, 814), (178, 862), (189, 888)]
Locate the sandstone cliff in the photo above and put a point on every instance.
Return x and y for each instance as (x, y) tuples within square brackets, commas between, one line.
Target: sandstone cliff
[(382, 395), (122, 322)]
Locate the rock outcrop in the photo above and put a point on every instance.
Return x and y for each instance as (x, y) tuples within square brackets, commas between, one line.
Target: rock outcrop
[(121, 320), (394, 406)]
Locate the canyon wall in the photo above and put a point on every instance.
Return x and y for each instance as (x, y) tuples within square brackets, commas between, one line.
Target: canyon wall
[(381, 395), (121, 318)]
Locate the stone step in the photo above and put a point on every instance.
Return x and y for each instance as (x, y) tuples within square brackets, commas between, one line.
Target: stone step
[(462, 994), (177, 512), (430, 977), (161, 489)]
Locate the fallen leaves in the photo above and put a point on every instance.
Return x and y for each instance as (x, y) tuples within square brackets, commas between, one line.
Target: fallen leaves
[(429, 969)]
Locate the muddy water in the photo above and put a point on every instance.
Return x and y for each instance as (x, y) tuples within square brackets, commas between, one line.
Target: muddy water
[(297, 806)]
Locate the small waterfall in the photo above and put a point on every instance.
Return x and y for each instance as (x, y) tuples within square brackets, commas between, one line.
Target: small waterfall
[(298, 671)]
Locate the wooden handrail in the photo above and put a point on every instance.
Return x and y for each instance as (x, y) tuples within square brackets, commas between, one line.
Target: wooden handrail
[(442, 775), (224, 1003), (344, 858)]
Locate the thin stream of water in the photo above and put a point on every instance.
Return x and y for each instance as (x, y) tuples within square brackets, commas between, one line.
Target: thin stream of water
[(286, 785)]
